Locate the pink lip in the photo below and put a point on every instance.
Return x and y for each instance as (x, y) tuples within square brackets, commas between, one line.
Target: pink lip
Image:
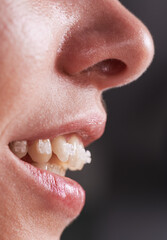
[(61, 191), (89, 128)]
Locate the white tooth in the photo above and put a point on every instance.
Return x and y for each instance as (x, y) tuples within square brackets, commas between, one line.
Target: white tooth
[(40, 151), (51, 167), (88, 158), (56, 169), (54, 160), (77, 156), (61, 148), (19, 148)]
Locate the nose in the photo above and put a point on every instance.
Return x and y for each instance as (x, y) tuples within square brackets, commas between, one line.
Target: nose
[(108, 46)]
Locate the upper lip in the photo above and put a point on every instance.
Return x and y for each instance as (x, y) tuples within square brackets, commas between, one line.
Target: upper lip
[(88, 128)]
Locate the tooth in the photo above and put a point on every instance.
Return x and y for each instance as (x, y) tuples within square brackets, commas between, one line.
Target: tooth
[(41, 165), (66, 155), (19, 148), (54, 160), (77, 156), (40, 151), (57, 169), (61, 148), (57, 166)]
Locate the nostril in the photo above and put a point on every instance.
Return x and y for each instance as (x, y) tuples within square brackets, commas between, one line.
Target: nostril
[(108, 67)]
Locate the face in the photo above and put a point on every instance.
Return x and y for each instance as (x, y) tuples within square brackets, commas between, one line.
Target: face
[(56, 59)]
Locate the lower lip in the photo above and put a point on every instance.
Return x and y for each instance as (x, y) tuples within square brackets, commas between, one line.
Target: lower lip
[(61, 192)]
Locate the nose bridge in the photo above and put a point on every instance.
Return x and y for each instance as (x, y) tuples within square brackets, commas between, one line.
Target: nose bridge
[(110, 32)]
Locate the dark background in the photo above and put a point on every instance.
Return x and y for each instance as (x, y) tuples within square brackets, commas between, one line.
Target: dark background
[(126, 183)]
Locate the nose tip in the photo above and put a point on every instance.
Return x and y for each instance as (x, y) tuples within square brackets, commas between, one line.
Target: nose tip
[(115, 48), (130, 57), (136, 52)]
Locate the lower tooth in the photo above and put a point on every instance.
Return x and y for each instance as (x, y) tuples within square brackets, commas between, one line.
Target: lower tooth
[(56, 169), (42, 166), (51, 167), (55, 161)]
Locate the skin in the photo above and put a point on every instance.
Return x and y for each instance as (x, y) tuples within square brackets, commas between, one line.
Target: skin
[(57, 51)]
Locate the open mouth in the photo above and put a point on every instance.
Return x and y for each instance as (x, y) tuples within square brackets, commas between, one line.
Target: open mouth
[(55, 155)]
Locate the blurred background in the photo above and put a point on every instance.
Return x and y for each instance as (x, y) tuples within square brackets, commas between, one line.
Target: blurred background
[(126, 183)]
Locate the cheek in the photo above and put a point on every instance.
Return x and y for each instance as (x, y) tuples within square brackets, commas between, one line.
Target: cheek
[(30, 36), (27, 57), (26, 41)]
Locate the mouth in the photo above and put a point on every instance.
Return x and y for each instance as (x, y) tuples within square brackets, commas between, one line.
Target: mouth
[(58, 155), (42, 164)]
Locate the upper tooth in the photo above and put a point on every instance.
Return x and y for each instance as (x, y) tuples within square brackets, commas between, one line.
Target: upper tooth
[(61, 148), (19, 148), (79, 156), (40, 151), (69, 154)]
